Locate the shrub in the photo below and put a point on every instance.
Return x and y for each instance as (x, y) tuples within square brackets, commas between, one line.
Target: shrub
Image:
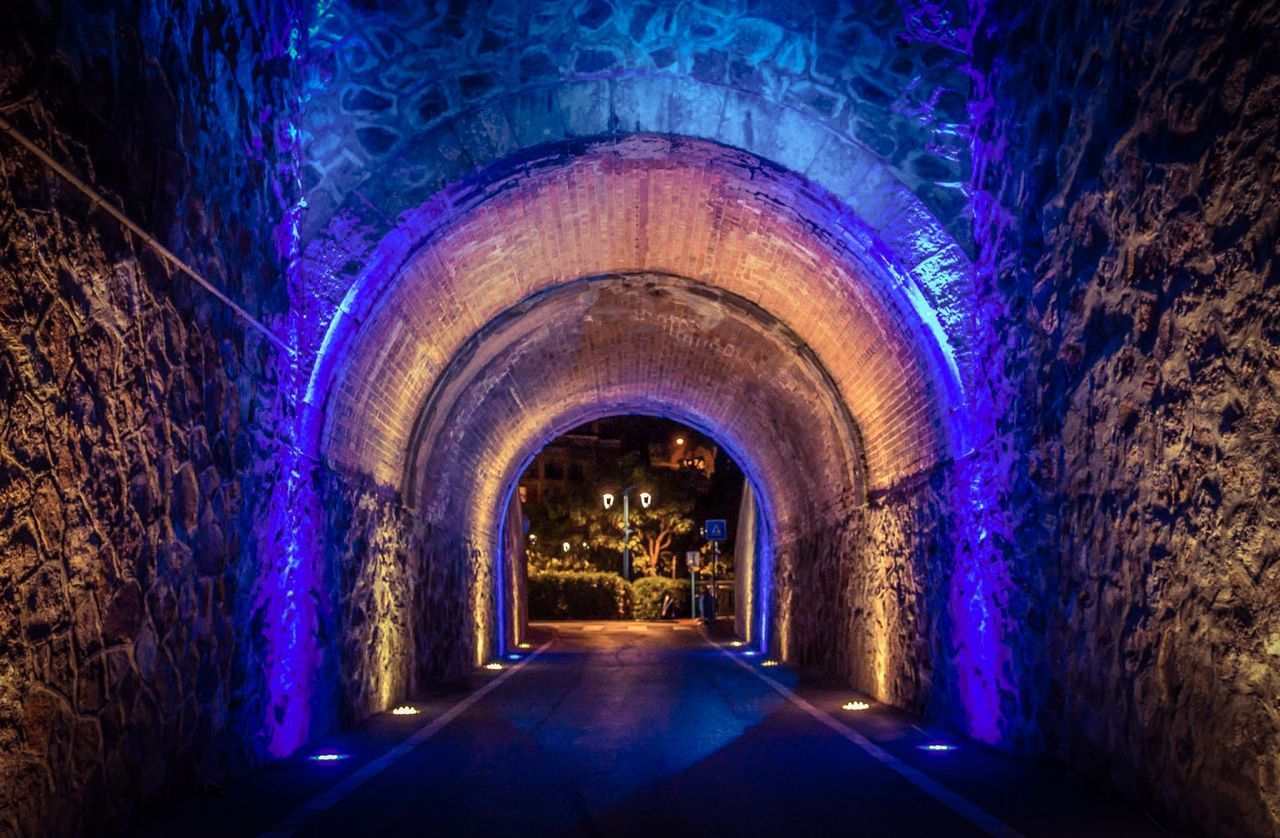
[(648, 596), (578, 595)]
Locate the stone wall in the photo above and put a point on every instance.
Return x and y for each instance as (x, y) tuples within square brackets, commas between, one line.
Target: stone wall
[(373, 586), (1129, 151), (126, 392)]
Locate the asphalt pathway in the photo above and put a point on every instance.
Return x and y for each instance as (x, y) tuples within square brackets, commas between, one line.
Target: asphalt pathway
[(649, 729)]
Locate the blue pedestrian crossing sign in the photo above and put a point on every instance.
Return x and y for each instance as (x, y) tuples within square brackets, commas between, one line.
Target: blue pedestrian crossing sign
[(717, 529)]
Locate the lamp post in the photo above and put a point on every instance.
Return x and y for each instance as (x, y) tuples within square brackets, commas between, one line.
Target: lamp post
[(645, 500)]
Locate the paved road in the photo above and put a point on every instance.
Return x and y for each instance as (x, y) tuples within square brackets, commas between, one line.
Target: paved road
[(647, 730), (637, 730)]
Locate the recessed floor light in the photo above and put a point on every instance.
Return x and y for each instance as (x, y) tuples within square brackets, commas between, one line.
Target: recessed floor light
[(854, 705), (405, 710)]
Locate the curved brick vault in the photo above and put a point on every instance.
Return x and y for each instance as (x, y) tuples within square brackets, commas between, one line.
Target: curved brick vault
[(783, 324), (648, 343), (687, 208)]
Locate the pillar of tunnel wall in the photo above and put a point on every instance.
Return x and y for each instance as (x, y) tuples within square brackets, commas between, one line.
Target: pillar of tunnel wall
[(1129, 263), (746, 547), (516, 568), (128, 396)]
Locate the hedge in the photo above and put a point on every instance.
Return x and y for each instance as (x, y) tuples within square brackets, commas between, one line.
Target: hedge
[(648, 596), (578, 595)]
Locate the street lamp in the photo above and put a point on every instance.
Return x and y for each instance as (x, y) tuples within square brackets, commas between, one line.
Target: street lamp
[(645, 500)]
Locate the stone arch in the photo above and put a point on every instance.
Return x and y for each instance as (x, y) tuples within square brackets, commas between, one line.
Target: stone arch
[(652, 204), (607, 345)]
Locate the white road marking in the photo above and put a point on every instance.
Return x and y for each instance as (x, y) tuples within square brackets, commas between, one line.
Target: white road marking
[(329, 798), (962, 806)]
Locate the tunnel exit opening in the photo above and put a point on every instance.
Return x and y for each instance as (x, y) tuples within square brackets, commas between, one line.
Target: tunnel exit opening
[(601, 521)]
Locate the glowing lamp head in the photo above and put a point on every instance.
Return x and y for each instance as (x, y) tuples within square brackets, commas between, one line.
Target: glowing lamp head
[(565, 547), (679, 440), (405, 710), (854, 705), (645, 499), (532, 537), (608, 500)]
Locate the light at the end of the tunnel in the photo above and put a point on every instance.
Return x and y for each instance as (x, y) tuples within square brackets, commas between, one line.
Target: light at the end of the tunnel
[(937, 746), (328, 757), (854, 705), (405, 710), (494, 665), (770, 662)]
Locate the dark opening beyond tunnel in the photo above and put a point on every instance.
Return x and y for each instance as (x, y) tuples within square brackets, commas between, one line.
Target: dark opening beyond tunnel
[(612, 511)]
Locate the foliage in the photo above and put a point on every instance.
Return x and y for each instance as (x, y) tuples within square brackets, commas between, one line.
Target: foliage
[(648, 597), (575, 595)]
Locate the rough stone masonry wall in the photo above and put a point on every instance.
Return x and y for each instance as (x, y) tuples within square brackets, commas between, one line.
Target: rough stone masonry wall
[(1131, 152), (125, 395)]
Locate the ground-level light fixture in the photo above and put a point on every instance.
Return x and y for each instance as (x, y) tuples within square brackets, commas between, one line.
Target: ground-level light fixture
[(736, 643), (750, 653), (532, 537), (855, 705), (524, 646), (937, 746), (495, 665), (769, 662), (513, 657), (405, 710), (328, 756)]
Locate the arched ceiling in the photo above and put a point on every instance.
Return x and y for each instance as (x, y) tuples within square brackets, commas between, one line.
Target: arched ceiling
[(644, 343), (646, 204)]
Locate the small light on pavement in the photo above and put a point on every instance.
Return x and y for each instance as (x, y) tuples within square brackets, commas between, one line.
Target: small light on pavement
[(405, 710), (736, 643), (524, 646), (328, 757), (854, 705), (750, 653), (937, 746), (513, 657), (769, 663), (494, 665)]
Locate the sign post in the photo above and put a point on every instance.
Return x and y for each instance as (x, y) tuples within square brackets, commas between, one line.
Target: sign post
[(694, 559)]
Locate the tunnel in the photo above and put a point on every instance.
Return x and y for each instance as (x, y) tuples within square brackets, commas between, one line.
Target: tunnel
[(979, 296)]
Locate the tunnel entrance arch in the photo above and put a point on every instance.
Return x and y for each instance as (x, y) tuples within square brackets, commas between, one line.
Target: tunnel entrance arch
[(764, 252), (648, 344)]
